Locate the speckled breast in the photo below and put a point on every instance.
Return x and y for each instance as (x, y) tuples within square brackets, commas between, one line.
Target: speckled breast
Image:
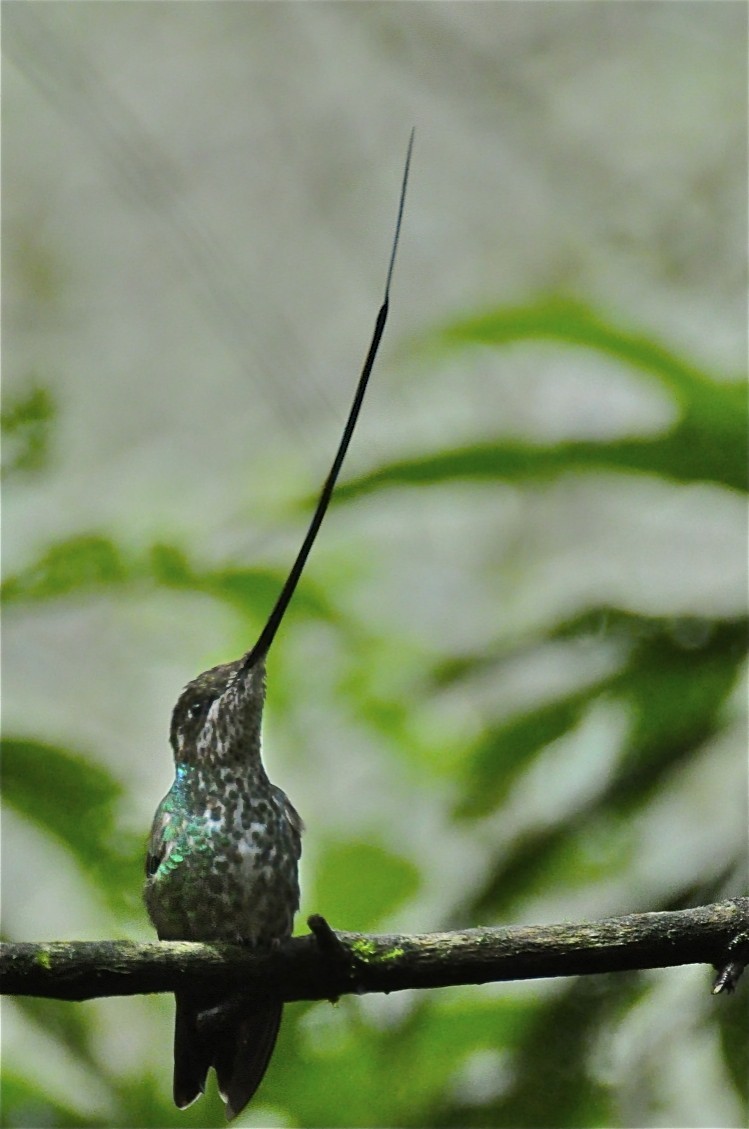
[(228, 869)]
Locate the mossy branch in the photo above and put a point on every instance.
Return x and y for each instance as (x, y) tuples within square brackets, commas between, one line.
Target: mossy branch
[(326, 964)]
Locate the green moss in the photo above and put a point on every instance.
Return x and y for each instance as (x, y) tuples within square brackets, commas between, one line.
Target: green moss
[(44, 959), (364, 949), (367, 951)]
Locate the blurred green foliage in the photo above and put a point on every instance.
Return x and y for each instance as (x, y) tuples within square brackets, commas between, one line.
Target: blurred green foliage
[(26, 424), (77, 806), (479, 1058)]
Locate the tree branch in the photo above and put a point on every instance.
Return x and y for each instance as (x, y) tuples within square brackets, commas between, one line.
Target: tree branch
[(326, 964)]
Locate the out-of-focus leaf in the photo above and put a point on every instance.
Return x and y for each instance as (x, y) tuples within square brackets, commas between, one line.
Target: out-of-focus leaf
[(91, 562), (706, 443), (26, 1105), (674, 692), (79, 564), (26, 423), (70, 1025), (144, 1100), (357, 884), (572, 323), (686, 453), (77, 801), (676, 695), (399, 1074), (253, 591), (504, 752), (76, 805), (552, 1083), (442, 1036), (408, 1074), (336, 1085)]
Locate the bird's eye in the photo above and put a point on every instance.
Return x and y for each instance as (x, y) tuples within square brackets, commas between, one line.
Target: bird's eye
[(196, 709)]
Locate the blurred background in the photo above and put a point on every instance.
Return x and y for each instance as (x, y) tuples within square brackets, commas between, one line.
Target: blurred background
[(512, 685)]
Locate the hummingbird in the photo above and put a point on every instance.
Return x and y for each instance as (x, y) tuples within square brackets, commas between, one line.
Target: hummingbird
[(223, 856)]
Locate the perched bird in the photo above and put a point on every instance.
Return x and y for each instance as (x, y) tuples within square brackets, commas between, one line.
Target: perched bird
[(225, 843)]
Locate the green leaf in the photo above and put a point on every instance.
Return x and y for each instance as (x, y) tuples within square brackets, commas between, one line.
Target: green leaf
[(707, 442), (438, 1039), (505, 751), (71, 1026), (26, 423), (91, 562), (357, 884), (572, 323), (253, 591), (687, 453), (26, 1104), (675, 694), (79, 564), (344, 1071), (552, 1080), (75, 801)]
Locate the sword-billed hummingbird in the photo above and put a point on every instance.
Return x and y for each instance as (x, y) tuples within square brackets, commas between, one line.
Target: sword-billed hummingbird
[(225, 843)]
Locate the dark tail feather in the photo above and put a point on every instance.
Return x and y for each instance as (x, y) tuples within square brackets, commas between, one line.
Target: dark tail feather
[(192, 1053), (240, 1052), (241, 1056)]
